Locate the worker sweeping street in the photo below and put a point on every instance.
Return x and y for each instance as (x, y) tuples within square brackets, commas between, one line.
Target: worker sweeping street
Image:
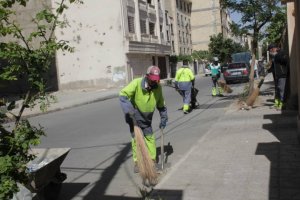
[(138, 101), (215, 75), (184, 81)]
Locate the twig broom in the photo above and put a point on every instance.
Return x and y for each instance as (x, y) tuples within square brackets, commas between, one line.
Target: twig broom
[(224, 86), (251, 99), (145, 164)]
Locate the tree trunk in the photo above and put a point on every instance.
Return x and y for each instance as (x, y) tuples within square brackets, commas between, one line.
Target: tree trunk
[(251, 76)]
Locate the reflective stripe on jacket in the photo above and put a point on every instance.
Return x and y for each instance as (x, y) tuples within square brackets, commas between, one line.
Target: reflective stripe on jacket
[(184, 77)]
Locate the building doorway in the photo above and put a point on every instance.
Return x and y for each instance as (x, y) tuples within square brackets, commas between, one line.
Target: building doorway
[(163, 67)]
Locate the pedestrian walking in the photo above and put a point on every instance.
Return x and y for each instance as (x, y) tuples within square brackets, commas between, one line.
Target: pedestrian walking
[(184, 82), (215, 76), (256, 75), (261, 68), (140, 98), (279, 68)]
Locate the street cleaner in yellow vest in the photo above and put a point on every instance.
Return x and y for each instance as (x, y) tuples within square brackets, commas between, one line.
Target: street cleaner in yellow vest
[(140, 98), (184, 81), (215, 75)]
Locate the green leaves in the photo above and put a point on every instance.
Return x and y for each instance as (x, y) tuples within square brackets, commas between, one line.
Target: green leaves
[(275, 29), (46, 15), (223, 48), (255, 14), (10, 3), (201, 55), (25, 56)]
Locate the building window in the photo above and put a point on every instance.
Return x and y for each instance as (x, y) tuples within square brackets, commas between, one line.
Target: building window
[(152, 28), (143, 26), (131, 24), (187, 38), (173, 46), (168, 36), (178, 19), (179, 35), (149, 1), (167, 19)]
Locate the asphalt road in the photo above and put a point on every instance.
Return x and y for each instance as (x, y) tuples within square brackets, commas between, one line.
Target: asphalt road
[(99, 165)]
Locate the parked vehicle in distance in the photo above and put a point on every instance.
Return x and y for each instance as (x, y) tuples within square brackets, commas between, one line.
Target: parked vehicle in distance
[(237, 72), (207, 71)]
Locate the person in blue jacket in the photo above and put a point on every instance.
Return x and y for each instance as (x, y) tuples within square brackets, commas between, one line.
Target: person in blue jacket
[(139, 100)]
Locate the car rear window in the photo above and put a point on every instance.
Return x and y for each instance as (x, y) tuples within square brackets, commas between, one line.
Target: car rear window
[(236, 65)]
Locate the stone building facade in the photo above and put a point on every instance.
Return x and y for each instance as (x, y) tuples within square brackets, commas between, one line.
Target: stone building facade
[(208, 19), (114, 41), (180, 13)]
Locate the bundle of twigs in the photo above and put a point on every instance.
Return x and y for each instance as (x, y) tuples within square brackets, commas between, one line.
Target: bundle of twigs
[(252, 97), (224, 86), (145, 164)]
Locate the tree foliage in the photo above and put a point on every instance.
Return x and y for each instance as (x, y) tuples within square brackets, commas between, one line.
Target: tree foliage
[(201, 55), (181, 58), (274, 31), (26, 55), (255, 14), (223, 48)]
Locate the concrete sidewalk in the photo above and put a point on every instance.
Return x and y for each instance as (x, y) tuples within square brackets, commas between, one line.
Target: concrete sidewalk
[(247, 155)]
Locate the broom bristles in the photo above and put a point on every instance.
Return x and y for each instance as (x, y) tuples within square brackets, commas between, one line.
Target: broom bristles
[(145, 164), (251, 99), (224, 86)]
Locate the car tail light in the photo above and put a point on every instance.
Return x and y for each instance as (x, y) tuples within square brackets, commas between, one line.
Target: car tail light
[(226, 73), (245, 72)]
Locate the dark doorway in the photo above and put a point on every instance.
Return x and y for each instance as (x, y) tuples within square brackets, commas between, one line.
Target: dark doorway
[(195, 67), (163, 67)]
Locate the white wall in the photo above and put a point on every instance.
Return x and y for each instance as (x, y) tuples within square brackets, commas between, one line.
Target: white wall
[(96, 31)]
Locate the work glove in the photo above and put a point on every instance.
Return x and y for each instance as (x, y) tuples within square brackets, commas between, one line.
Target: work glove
[(132, 117), (193, 82), (162, 124), (176, 85)]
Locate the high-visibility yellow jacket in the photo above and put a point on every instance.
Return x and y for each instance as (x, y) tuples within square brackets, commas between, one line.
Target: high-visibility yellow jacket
[(136, 98), (184, 78)]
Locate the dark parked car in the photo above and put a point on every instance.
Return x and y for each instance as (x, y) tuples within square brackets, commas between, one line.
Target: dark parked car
[(237, 72)]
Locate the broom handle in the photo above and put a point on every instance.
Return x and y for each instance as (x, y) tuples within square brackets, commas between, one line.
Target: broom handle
[(131, 115), (162, 155)]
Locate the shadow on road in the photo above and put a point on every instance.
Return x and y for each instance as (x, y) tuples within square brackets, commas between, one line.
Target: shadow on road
[(167, 194), (70, 190), (284, 156)]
